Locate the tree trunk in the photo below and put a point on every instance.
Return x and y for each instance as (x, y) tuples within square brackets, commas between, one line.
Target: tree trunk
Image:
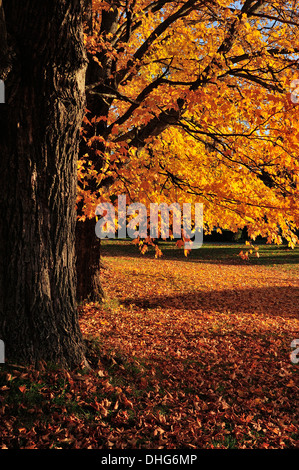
[(87, 244), (39, 126), (88, 262)]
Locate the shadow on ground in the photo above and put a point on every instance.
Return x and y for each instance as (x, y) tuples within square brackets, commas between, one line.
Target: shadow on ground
[(270, 301)]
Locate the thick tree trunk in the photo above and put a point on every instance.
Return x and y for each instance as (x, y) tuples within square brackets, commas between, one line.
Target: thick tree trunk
[(39, 126)]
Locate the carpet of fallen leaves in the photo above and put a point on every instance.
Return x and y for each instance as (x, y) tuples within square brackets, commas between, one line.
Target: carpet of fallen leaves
[(185, 355)]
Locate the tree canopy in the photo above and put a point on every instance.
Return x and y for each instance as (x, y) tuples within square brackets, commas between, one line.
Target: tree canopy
[(194, 101)]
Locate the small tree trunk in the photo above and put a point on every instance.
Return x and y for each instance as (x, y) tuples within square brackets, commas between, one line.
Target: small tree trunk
[(87, 244), (88, 262), (39, 126)]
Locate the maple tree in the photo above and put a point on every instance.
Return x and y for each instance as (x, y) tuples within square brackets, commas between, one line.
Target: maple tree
[(192, 97), (185, 101), (191, 101)]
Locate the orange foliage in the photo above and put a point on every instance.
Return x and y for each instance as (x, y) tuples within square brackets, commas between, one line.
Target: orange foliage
[(196, 106)]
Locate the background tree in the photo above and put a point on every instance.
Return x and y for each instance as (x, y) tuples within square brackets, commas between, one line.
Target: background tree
[(43, 62), (190, 101)]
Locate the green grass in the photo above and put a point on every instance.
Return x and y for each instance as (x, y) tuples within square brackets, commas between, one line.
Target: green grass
[(224, 253)]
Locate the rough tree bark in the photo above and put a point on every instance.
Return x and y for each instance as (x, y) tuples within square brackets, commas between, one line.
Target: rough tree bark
[(39, 138)]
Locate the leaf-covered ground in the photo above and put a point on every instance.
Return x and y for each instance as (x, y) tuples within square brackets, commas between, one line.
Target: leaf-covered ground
[(187, 353)]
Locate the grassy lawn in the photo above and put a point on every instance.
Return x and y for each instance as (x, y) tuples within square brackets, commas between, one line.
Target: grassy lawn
[(227, 253), (187, 352)]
